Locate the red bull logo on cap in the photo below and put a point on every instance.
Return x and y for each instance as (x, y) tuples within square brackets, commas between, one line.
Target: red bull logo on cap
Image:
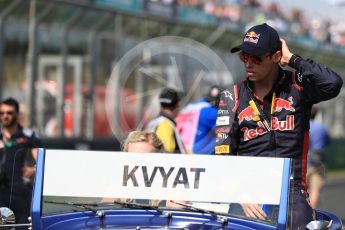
[(248, 114), (280, 104), (251, 37)]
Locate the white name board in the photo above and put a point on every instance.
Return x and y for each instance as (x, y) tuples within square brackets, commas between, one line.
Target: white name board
[(158, 176)]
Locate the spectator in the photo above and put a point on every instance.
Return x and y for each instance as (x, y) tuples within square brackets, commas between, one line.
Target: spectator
[(316, 176), (164, 125), (196, 123), (18, 153)]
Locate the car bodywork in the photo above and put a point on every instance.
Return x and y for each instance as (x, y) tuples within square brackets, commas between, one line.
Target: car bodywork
[(85, 209)]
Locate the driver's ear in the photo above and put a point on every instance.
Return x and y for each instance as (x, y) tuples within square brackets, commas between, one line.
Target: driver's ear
[(277, 56)]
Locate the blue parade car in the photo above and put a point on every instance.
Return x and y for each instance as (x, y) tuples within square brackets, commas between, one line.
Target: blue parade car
[(113, 190)]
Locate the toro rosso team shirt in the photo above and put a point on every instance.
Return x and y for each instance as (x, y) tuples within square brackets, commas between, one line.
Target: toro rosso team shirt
[(278, 126)]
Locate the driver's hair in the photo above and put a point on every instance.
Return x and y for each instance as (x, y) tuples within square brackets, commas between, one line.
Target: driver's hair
[(144, 136)]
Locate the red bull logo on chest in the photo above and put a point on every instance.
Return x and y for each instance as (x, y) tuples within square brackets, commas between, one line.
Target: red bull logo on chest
[(288, 124), (248, 114), (280, 104)]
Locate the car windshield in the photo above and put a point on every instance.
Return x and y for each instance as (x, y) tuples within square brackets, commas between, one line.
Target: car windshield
[(213, 185)]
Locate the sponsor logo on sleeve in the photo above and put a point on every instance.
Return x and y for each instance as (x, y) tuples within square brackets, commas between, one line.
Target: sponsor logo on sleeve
[(227, 94), (221, 137), (222, 149), (223, 120), (222, 130), (223, 112), (299, 77)]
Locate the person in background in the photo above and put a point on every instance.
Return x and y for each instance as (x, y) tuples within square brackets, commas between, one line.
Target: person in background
[(164, 125), (196, 123), (272, 113), (316, 171), (18, 153)]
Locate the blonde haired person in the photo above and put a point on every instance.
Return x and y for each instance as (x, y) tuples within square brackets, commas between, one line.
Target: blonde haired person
[(143, 142)]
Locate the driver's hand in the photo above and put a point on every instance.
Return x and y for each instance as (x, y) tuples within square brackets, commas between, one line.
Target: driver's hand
[(28, 172), (254, 211), (286, 54)]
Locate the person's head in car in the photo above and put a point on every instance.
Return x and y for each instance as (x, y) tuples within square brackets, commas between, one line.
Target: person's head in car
[(147, 142), (143, 142)]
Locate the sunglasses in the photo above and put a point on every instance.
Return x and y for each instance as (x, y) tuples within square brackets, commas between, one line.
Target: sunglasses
[(6, 112), (254, 59)]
